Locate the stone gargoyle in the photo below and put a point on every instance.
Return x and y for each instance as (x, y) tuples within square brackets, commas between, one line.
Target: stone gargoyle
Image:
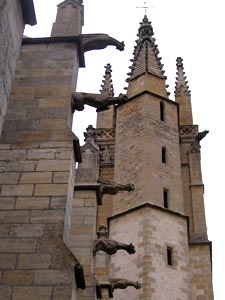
[(103, 243), (195, 146), (99, 101), (112, 188), (120, 283)]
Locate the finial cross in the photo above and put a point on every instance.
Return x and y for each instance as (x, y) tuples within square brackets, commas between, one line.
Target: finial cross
[(144, 7)]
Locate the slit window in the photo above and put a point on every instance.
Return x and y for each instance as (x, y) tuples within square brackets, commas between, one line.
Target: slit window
[(164, 158), (162, 111), (169, 256), (166, 198)]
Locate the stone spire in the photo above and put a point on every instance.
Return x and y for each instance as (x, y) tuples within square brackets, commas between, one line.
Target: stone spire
[(146, 53), (106, 118), (181, 87), (183, 95), (107, 86), (146, 60)]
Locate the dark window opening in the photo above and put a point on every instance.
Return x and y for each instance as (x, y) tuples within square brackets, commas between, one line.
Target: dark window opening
[(166, 198), (169, 256), (163, 155), (162, 111)]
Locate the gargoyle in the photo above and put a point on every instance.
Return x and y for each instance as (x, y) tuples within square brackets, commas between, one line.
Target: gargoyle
[(120, 283), (98, 41), (201, 135), (99, 101), (195, 146), (111, 247), (112, 188)]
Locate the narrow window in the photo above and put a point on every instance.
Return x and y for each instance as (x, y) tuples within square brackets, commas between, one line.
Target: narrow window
[(169, 256), (162, 111), (163, 155), (166, 198)]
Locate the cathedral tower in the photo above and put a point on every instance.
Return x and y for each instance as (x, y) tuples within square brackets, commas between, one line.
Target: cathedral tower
[(157, 149)]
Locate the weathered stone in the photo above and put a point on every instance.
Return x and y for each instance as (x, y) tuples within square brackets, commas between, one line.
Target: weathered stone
[(34, 261), (17, 277)]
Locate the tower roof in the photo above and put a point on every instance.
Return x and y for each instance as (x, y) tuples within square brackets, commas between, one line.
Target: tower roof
[(145, 53), (181, 87), (107, 86)]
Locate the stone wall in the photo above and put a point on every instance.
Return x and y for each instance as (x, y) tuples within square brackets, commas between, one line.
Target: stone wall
[(201, 271), (37, 164), (152, 230), (139, 159), (11, 32)]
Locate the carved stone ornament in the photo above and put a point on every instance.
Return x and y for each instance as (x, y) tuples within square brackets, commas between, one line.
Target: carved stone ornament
[(99, 101), (120, 283), (109, 246), (195, 146), (112, 188)]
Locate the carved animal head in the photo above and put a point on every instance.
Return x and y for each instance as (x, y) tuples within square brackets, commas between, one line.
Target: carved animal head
[(130, 187), (131, 249), (137, 285)]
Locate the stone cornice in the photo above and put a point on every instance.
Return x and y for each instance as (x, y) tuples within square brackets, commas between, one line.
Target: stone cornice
[(58, 40)]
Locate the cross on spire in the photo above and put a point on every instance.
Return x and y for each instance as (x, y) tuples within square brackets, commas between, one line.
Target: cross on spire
[(144, 7)]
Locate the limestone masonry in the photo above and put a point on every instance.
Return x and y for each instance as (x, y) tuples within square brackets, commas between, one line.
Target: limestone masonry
[(122, 216)]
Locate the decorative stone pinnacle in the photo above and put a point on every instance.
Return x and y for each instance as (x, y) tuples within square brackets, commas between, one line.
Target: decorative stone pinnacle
[(181, 87), (107, 86), (145, 53), (89, 135)]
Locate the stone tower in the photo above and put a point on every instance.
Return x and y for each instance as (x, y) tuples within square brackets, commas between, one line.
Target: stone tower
[(156, 147), (123, 211)]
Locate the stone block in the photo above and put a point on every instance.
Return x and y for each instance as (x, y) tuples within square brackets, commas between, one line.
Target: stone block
[(81, 229), (56, 145), (7, 261), (7, 203), (27, 230), (36, 177), (53, 277), (9, 178), (58, 202), (5, 292), (52, 91), (47, 216), (50, 189), (83, 211), (12, 154), (60, 177), (22, 245), (32, 203), (18, 166), (5, 230), (62, 292), (63, 153), (17, 190), (53, 165), (52, 102), (41, 154), (18, 277), (53, 124), (33, 292), (34, 261), (14, 216)]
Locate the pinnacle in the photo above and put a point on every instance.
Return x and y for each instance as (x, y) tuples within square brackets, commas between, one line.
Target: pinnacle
[(107, 86), (145, 54), (181, 87)]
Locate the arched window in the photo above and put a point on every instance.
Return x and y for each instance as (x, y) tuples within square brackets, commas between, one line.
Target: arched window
[(162, 111)]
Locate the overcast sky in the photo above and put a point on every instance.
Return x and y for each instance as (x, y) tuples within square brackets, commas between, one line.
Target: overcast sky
[(192, 29)]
